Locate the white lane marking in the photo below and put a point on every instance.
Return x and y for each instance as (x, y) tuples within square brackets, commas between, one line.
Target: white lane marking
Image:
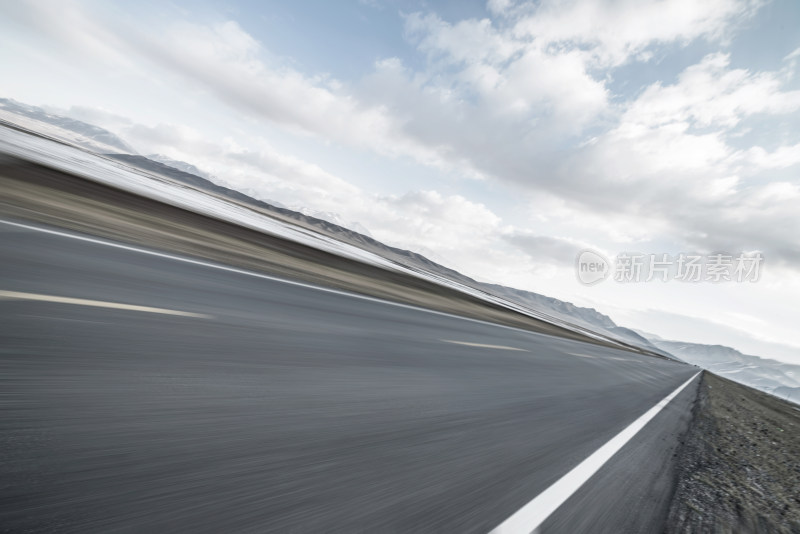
[(531, 516), (580, 355), (272, 278), (16, 295), (482, 345)]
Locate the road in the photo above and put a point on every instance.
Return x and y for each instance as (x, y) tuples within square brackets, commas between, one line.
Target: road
[(144, 394)]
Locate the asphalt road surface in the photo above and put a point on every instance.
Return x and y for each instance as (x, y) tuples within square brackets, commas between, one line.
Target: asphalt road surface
[(143, 394)]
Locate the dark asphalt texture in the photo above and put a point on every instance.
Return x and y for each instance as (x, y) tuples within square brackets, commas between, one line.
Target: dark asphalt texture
[(297, 410)]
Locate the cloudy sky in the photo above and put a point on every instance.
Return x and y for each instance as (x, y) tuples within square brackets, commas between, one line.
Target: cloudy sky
[(499, 138)]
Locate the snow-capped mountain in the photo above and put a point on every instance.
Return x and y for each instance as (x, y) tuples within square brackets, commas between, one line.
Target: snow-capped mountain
[(779, 378)]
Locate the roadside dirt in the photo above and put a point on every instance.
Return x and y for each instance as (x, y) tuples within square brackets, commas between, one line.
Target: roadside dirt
[(739, 465)]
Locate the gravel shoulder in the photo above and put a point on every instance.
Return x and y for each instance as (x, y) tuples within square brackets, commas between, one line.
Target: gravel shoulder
[(739, 465)]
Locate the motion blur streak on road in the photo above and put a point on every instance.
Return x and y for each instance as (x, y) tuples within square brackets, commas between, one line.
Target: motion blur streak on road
[(292, 409)]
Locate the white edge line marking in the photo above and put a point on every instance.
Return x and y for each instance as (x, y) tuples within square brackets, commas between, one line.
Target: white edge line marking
[(16, 295), (274, 278), (482, 345), (531, 516)]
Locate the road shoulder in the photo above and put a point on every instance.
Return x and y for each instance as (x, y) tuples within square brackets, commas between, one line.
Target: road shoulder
[(739, 467)]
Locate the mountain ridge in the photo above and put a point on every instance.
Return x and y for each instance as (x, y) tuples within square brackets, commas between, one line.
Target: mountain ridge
[(772, 376)]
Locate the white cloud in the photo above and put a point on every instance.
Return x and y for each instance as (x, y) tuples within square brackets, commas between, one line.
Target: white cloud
[(498, 7), (229, 62), (545, 249), (438, 220), (507, 76), (615, 31), (780, 158), (468, 41), (710, 94), (670, 161)]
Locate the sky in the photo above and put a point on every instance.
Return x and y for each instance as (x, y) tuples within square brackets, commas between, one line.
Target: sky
[(499, 138)]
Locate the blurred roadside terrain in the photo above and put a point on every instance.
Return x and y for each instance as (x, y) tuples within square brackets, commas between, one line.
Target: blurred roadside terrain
[(778, 378)]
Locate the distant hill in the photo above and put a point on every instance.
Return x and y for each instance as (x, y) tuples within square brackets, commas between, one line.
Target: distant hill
[(79, 133), (779, 378)]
